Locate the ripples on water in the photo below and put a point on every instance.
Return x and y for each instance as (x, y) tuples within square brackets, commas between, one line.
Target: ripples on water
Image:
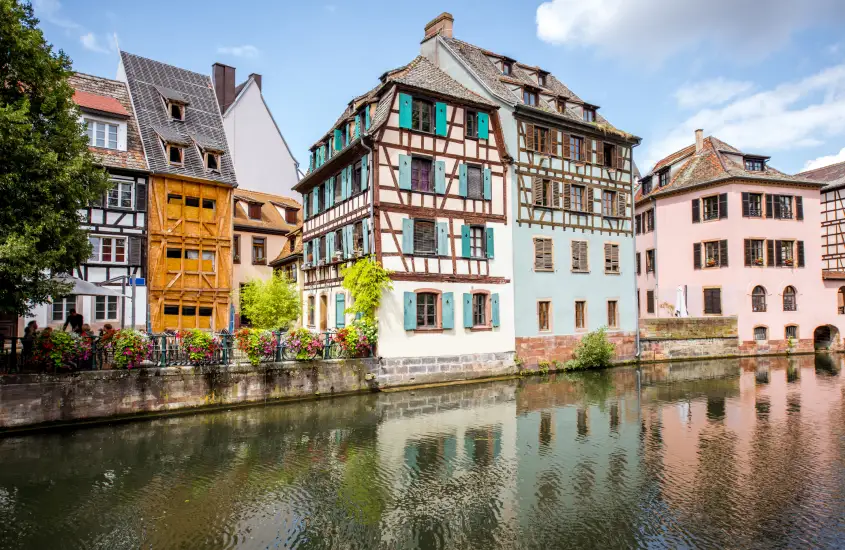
[(727, 454)]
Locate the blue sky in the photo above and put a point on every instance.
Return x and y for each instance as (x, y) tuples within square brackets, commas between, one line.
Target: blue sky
[(768, 77)]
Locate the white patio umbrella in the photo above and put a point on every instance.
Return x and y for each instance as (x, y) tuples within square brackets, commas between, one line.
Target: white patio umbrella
[(681, 303), (84, 288)]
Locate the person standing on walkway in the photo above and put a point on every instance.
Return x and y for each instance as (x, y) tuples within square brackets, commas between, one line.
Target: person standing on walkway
[(75, 321)]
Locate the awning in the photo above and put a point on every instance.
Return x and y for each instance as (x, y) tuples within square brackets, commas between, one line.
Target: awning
[(84, 288)]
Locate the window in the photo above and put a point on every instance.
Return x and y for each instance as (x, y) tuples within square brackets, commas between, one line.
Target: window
[(101, 134), (529, 97), (576, 198), (576, 148), (236, 249), (422, 175), (561, 106), (108, 250), (580, 314), (61, 307), (541, 79), (212, 161), (176, 110), (507, 67), (312, 307), (475, 185), (544, 308), (479, 310), (472, 124), (476, 242), (589, 114), (758, 299), (541, 140), (543, 255), (426, 310), (754, 253), (610, 204), (259, 250), (649, 299), (174, 153), (784, 253), (254, 211), (105, 308), (612, 314), (192, 201), (711, 207), (791, 332), (713, 254), (609, 156), (712, 301), (421, 115), (321, 250), (779, 207), (752, 205), (646, 184), (648, 217), (761, 334), (650, 261), (544, 194), (755, 164), (663, 178), (789, 301), (424, 238), (208, 261), (611, 258), (358, 238), (290, 215), (356, 178), (580, 259), (209, 204), (120, 195)]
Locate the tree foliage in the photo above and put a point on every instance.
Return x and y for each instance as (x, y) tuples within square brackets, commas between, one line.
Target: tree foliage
[(271, 304), (46, 171), (365, 280)]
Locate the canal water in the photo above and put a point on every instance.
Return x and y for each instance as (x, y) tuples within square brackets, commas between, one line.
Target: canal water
[(719, 454)]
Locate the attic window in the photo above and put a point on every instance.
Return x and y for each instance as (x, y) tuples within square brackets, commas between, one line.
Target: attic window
[(174, 153), (561, 106), (541, 79), (646, 185), (507, 67), (589, 114), (176, 110), (529, 97), (753, 164), (663, 178), (290, 217), (212, 161), (254, 211)]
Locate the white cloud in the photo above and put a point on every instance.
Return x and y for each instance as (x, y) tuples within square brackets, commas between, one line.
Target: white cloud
[(91, 42), (825, 161), (48, 10), (247, 50), (710, 92), (653, 30), (796, 114)]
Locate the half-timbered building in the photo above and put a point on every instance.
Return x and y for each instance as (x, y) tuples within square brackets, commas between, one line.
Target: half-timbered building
[(571, 196), (414, 174), (116, 222), (190, 194)]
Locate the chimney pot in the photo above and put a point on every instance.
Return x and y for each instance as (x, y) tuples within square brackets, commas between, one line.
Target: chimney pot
[(224, 85), (442, 24), (257, 78), (699, 140)]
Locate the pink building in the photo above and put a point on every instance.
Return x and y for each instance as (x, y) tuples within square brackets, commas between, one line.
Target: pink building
[(738, 238)]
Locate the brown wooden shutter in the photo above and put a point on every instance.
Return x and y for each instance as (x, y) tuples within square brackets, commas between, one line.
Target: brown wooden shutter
[(529, 137), (141, 196), (770, 206), (136, 251), (723, 205), (696, 256), (567, 153), (723, 253), (538, 254), (639, 264), (538, 191), (621, 203), (770, 253), (600, 153), (748, 261), (799, 208), (590, 200), (555, 193), (800, 253), (567, 196), (696, 211), (778, 253), (553, 142), (608, 257), (620, 158), (548, 259)]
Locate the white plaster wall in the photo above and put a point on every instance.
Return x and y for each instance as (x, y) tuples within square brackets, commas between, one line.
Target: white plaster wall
[(262, 160), (85, 305)]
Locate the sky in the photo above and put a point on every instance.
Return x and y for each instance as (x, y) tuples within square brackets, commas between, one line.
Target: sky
[(766, 76)]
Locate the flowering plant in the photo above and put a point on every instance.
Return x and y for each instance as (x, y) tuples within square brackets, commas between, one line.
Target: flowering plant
[(57, 347), (200, 345), (106, 338), (758, 261), (130, 347), (257, 344), (304, 343), (356, 339)]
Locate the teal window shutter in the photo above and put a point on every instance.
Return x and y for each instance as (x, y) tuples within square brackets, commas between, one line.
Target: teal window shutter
[(329, 247), (314, 201), (467, 310), (442, 239), (462, 172), (494, 307), (340, 310), (483, 126), (407, 236), (367, 117), (349, 180), (448, 310), (465, 251), (440, 177), (488, 184), (357, 125), (366, 231), (405, 172), (328, 193), (350, 244), (338, 144), (343, 194), (364, 167), (490, 245), (344, 244), (405, 102), (441, 128), (346, 134), (410, 305)]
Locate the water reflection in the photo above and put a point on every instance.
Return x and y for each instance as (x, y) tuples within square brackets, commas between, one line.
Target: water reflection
[(743, 453)]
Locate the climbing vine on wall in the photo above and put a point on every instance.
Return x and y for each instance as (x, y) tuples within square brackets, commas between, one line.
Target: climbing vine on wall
[(366, 280)]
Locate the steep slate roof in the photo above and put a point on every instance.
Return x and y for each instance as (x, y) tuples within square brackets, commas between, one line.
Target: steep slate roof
[(833, 175), (290, 252), (271, 218), (711, 165), (479, 62), (106, 97), (148, 82)]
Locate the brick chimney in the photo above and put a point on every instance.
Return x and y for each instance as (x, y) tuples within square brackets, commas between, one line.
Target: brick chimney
[(257, 78), (442, 24), (699, 140), (224, 85)]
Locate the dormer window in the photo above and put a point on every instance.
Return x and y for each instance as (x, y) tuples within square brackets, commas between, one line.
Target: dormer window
[(101, 134), (254, 211), (174, 153), (663, 180), (507, 68), (589, 114), (755, 164), (541, 79), (646, 185), (211, 161), (176, 110), (561, 106), (529, 97)]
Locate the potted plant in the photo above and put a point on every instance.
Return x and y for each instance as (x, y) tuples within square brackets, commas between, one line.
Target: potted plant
[(758, 261), (356, 340), (199, 345), (57, 348), (131, 348), (711, 262), (305, 344), (257, 344)]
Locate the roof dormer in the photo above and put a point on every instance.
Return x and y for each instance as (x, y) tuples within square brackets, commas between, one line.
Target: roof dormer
[(174, 102), (210, 151), (755, 163)]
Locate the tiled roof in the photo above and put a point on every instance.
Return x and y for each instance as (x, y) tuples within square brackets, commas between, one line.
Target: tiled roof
[(99, 103), (171, 134), (173, 95), (131, 159), (833, 175), (292, 249), (713, 164), (146, 79), (271, 218)]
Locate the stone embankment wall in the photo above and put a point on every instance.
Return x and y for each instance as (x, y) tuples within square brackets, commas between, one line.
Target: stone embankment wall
[(405, 371), (689, 337), (531, 351)]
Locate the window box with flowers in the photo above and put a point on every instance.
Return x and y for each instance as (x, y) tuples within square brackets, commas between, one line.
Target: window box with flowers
[(711, 262)]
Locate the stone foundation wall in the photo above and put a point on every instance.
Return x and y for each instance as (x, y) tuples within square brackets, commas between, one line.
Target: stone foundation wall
[(532, 350), (659, 350), (751, 347), (402, 371), (679, 328)]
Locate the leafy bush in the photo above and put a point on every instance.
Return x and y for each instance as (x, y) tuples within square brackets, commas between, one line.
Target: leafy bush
[(130, 347), (304, 343), (593, 351), (200, 345), (257, 344), (57, 348), (356, 339), (365, 280), (271, 304)]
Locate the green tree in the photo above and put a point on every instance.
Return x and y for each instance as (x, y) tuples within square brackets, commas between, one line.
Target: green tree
[(46, 172), (365, 280), (271, 304)]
